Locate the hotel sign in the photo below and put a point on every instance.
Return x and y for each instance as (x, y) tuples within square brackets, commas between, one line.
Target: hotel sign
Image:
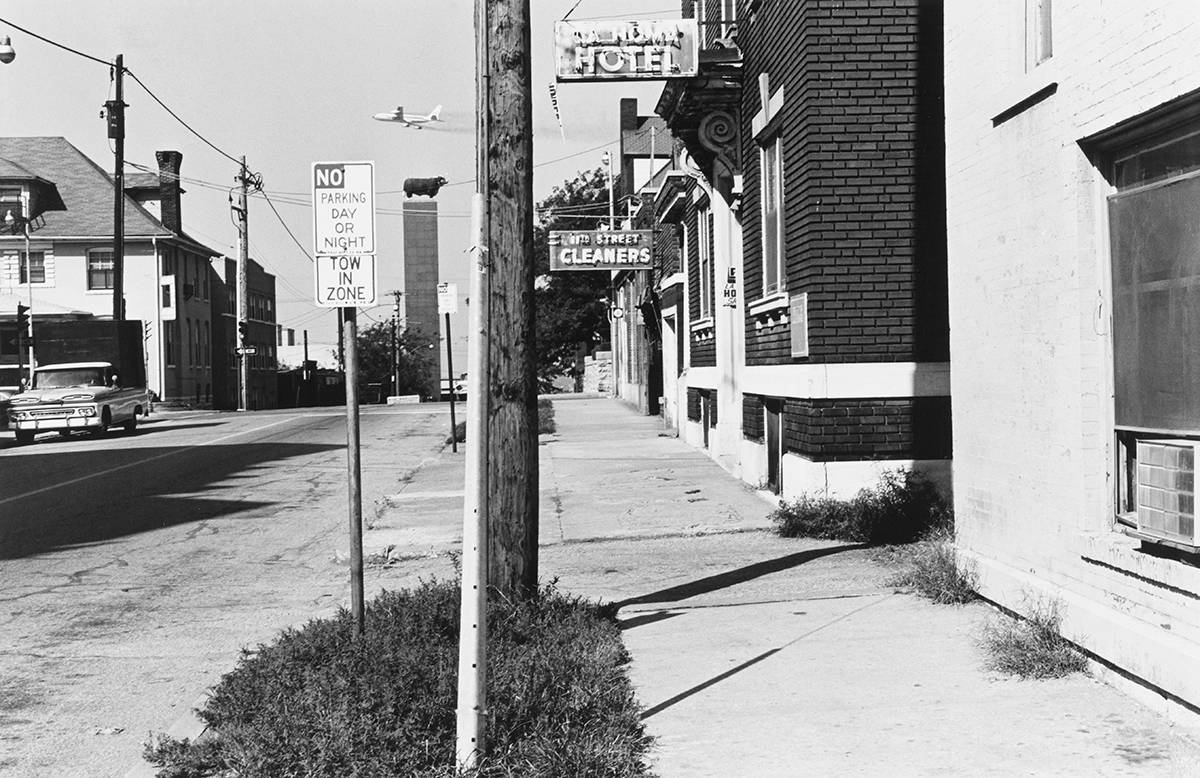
[(626, 50), (601, 249)]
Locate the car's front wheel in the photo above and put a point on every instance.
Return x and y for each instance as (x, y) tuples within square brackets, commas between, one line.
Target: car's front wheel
[(24, 436)]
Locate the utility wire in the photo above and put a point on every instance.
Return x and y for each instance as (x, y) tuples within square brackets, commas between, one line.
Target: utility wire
[(568, 13), (56, 43), (132, 75), (175, 116), (285, 227)]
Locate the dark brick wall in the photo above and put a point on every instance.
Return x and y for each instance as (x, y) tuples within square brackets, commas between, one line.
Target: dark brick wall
[(844, 429), (752, 417), (693, 404), (864, 192), (421, 280), (666, 250)]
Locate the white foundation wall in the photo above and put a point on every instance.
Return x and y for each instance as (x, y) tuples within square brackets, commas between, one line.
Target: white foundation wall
[(1029, 306)]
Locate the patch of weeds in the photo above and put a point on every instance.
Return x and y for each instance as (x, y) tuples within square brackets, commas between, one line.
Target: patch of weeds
[(931, 568), (460, 433), (323, 701), (1032, 647), (901, 508), (546, 423)]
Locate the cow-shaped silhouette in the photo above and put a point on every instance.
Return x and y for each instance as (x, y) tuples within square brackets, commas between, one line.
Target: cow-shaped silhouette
[(427, 187)]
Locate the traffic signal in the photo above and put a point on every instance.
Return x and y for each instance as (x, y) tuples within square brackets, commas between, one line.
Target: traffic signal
[(243, 328), (22, 317)]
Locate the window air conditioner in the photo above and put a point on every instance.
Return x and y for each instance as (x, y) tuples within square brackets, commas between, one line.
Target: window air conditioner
[(1166, 490)]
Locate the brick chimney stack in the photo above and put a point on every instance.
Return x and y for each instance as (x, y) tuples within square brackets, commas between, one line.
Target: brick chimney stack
[(169, 189)]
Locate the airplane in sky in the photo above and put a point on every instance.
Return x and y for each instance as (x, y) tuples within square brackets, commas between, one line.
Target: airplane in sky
[(409, 119)]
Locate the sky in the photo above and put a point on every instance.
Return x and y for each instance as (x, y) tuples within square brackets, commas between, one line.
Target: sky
[(291, 82)]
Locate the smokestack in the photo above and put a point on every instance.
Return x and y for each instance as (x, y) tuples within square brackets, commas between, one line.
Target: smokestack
[(169, 189)]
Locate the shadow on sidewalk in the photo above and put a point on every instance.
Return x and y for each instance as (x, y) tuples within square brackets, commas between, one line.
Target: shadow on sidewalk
[(724, 580)]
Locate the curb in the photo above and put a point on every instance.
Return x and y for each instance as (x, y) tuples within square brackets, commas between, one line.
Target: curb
[(189, 726)]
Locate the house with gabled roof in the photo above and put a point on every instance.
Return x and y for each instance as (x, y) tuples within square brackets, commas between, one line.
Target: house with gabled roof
[(167, 276)]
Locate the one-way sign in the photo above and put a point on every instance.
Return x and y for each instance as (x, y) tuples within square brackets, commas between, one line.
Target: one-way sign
[(247, 351)]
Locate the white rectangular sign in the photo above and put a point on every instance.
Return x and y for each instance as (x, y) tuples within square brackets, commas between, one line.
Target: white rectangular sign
[(343, 208), (345, 281), (447, 295)]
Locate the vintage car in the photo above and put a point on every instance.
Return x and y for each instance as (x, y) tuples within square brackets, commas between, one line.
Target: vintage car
[(76, 396), (10, 384)]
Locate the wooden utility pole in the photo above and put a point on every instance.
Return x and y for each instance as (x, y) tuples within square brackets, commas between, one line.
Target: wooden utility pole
[(513, 451), (115, 110), (243, 291)]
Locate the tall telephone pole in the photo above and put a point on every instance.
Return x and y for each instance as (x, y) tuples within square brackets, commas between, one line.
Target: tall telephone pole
[(115, 111), (513, 451), (243, 306)]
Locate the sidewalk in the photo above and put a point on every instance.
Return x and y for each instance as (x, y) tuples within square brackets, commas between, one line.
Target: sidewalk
[(755, 655)]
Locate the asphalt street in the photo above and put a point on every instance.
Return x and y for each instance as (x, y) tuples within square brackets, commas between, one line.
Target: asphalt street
[(134, 567)]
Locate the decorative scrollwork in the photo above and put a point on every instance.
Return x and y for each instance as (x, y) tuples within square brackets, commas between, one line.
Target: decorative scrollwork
[(718, 131)]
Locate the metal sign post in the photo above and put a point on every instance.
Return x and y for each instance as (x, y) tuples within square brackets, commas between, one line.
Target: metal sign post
[(447, 295), (345, 278)]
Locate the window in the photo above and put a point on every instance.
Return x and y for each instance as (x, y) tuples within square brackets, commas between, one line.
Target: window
[(1039, 41), (33, 267), (169, 343), (188, 337), (100, 269), (771, 183), (1155, 255), (704, 245)]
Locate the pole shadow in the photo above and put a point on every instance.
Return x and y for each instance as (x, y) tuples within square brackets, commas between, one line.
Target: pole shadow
[(729, 578)]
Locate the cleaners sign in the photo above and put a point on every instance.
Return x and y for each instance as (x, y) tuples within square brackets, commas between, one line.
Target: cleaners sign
[(343, 208), (601, 249)]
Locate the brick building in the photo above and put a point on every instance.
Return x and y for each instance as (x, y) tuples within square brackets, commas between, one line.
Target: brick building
[(805, 317), (1072, 189), (420, 285), (263, 365)]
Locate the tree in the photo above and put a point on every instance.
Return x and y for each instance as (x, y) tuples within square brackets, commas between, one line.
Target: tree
[(570, 309), (416, 358)]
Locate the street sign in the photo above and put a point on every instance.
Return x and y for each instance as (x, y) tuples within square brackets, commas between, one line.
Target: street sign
[(343, 208), (447, 297), (345, 281), (247, 351), (601, 249)]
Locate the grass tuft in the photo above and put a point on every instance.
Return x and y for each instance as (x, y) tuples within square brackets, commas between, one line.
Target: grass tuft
[(931, 568), (1032, 647), (903, 507)]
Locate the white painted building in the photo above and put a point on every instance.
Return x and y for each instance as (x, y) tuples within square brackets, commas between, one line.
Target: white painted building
[(1074, 245)]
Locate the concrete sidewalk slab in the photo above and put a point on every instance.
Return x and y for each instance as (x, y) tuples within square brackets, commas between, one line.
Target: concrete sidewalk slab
[(756, 655)]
